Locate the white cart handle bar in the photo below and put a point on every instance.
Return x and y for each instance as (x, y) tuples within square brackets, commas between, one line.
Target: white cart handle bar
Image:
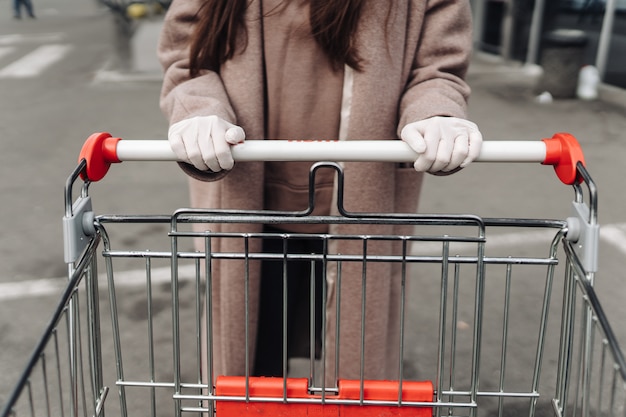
[(562, 151)]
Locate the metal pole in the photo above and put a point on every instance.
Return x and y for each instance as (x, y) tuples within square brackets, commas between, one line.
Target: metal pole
[(479, 19), (605, 37), (506, 47), (534, 39)]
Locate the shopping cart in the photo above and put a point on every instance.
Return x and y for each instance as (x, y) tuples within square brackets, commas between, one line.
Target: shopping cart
[(481, 331)]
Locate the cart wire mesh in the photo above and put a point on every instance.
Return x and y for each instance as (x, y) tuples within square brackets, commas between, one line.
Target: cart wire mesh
[(481, 331)]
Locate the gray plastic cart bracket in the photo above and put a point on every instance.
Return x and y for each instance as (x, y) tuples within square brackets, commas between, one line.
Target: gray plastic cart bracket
[(78, 228)]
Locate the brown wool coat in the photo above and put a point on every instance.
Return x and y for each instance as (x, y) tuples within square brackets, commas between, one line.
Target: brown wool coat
[(415, 58)]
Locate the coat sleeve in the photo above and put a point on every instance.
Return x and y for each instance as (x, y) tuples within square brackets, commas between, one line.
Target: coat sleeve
[(436, 84), (183, 97)]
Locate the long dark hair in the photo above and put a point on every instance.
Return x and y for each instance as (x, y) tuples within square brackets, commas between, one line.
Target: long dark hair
[(221, 32)]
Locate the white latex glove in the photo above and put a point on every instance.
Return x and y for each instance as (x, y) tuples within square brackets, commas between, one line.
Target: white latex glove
[(444, 144), (205, 142)]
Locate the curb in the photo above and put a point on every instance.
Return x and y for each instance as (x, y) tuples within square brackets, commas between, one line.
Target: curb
[(612, 95), (484, 63)]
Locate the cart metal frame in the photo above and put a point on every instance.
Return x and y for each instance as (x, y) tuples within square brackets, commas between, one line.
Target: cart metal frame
[(77, 365)]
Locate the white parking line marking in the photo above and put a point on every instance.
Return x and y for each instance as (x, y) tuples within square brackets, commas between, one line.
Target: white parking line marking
[(54, 286), (34, 63), (615, 234), (6, 50), (504, 240), (32, 288), (16, 38)]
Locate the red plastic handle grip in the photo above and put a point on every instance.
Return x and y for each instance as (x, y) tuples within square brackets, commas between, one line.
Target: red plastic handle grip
[(99, 151), (564, 152)]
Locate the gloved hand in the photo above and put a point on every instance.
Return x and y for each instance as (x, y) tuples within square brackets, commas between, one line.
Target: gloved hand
[(444, 144), (205, 141)]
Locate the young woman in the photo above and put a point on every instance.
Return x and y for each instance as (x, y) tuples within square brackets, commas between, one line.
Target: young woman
[(315, 69)]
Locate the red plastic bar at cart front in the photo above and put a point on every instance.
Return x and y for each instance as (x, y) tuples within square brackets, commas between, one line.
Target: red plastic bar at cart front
[(260, 390), (562, 151)]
